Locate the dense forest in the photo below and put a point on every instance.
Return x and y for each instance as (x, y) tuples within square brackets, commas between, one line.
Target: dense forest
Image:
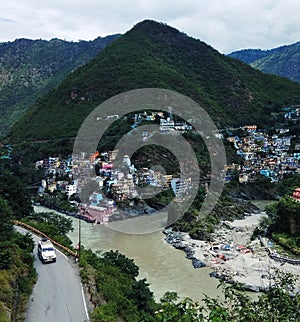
[(31, 68), (156, 55)]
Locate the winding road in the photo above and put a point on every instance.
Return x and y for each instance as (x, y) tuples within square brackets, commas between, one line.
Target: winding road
[(58, 294)]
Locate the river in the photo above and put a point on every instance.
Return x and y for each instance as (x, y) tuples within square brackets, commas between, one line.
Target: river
[(164, 267)]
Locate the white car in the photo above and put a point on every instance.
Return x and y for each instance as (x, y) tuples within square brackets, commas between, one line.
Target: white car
[(46, 251)]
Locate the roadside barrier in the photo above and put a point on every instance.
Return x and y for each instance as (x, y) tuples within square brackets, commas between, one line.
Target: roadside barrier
[(278, 258), (282, 259), (38, 232)]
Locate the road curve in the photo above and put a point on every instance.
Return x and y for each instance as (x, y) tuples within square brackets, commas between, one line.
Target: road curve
[(57, 295)]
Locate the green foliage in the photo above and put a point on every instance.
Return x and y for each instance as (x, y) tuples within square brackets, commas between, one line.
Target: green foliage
[(288, 184), (120, 295), (154, 155), (275, 305), (105, 313), (288, 217), (29, 73), (56, 200), (141, 295), (288, 242), (13, 190), (182, 311), (161, 199), (125, 298), (156, 55), (17, 274), (53, 225), (199, 226), (282, 224), (113, 134), (6, 226), (125, 264), (281, 61)]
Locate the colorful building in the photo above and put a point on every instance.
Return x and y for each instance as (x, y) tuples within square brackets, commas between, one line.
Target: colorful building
[(296, 195)]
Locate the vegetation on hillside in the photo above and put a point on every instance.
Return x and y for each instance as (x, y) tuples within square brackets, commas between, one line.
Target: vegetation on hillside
[(118, 296), (17, 274), (156, 55), (150, 55), (282, 220), (200, 227), (30, 68), (282, 224), (249, 55), (275, 305), (281, 61)]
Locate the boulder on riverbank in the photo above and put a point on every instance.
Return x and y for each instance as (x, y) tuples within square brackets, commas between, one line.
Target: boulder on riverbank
[(233, 256)]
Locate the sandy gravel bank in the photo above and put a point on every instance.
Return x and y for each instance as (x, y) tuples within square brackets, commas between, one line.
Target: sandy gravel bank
[(233, 256)]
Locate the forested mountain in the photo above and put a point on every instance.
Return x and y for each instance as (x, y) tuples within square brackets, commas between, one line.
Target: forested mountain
[(30, 68), (155, 55), (281, 61)]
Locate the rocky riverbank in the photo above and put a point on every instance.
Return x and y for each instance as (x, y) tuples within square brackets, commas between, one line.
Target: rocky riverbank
[(232, 256)]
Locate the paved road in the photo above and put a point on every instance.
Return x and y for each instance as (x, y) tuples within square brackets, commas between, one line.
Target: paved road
[(57, 295)]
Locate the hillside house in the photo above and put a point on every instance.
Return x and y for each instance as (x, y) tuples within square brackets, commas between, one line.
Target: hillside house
[(296, 195), (71, 189)]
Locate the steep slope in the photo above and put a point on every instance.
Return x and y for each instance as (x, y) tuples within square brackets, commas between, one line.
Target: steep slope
[(30, 68), (155, 55), (248, 56), (282, 61)]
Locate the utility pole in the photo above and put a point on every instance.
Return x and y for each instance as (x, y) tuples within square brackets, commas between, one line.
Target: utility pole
[(79, 231), (79, 237)]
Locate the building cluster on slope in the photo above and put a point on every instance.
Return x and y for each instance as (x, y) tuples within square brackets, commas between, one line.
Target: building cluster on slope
[(121, 182), (264, 154), (292, 113), (113, 184)]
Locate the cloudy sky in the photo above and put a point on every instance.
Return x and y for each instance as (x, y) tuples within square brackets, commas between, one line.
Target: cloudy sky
[(226, 25)]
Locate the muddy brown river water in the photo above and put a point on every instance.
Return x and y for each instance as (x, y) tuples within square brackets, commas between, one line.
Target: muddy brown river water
[(164, 267)]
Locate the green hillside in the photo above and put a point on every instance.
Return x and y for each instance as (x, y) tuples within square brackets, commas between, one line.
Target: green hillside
[(30, 68), (249, 55), (282, 61), (155, 55)]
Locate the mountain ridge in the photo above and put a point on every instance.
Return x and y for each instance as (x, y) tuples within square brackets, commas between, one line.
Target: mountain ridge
[(154, 54), (282, 61), (30, 68)]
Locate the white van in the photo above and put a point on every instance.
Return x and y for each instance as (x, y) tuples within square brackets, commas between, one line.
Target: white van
[(46, 251)]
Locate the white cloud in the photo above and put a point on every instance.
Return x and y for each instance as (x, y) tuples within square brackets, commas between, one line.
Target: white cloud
[(227, 25)]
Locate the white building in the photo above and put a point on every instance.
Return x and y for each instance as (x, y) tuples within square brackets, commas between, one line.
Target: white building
[(71, 189)]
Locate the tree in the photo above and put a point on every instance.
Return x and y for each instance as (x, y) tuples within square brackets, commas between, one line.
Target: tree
[(276, 305), (15, 192), (6, 226), (105, 313), (54, 225), (142, 296), (126, 265), (288, 217), (180, 311)]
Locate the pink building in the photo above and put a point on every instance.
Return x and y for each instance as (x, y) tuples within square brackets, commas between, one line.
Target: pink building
[(296, 195)]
